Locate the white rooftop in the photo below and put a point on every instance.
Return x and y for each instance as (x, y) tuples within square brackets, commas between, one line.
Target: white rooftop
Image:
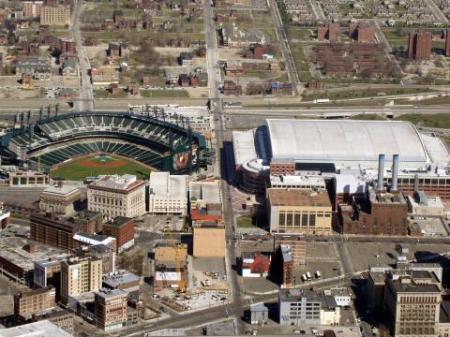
[(207, 191), (350, 183), (298, 181), (37, 329), (344, 142), (163, 184), (61, 190), (244, 146), (116, 181)]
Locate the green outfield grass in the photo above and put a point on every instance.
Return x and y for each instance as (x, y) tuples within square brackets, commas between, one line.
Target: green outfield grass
[(81, 168)]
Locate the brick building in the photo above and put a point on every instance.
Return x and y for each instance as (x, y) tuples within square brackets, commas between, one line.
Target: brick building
[(329, 32), (55, 15), (383, 213), (33, 302), (122, 229), (58, 232), (419, 45), (111, 309), (447, 43)]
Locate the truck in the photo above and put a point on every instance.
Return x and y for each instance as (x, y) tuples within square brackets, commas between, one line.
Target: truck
[(318, 275), (304, 279), (308, 275)]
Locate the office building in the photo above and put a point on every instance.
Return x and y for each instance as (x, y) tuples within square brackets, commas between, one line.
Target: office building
[(412, 304), (111, 309), (299, 211), (80, 275), (168, 193), (115, 196)]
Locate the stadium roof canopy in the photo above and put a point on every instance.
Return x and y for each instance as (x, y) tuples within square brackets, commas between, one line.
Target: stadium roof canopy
[(349, 142)]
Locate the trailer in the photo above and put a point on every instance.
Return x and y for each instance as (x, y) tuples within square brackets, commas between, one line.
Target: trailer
[(318, 275)]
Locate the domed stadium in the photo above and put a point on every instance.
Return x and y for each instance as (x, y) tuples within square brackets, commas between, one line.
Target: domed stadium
[(147, 140)]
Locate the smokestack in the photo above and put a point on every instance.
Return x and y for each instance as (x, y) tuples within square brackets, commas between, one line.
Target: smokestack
[(416, 183), (380, 182), (395, 163)]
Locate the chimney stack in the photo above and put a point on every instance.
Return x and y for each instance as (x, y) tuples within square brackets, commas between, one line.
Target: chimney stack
[(395, 164), (380, 182), (416, 183)]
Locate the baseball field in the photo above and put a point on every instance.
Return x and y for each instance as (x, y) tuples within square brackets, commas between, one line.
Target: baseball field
[(80, 168)]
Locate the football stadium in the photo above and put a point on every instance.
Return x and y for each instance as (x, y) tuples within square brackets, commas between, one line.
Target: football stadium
[(330, 147), (104, 143)]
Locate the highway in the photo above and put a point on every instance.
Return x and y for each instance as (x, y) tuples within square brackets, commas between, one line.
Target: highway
[(86, 102)]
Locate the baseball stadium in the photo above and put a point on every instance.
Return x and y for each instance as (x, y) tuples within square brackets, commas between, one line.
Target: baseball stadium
[(77, 145)]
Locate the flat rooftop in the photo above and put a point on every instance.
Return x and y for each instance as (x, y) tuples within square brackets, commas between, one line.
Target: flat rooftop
[(345, 141), (294, 197), (165, 185), (61, 190), (117, 183), (37, 329), (207, 191), (114, 280), (110, 293)]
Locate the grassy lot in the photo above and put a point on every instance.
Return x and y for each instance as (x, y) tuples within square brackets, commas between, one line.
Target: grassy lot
[(432, 120), (165, 93), (245, 222), (301, 62), (76, 170), (102, 93), (368, 117), (352, 93)]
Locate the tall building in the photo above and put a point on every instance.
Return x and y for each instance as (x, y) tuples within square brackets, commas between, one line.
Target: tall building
[(329, 32), (299, 211), (111, 309), (55, 15), (80, 275), (419, 45), (168, 193), (33, 302), (447, 43), (116, 195), (412, 304), (32, 9)]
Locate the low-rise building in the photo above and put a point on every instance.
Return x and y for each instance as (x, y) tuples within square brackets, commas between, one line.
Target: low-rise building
[(123, 230), (33, 302), (60, 199), (422, 205), (125, 280), (305, 307), (255, 264), (299, 211), (116, 195), (259, 314), (342, 296), (168, 193), (43, 328), (59, 232), (38, 68)]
